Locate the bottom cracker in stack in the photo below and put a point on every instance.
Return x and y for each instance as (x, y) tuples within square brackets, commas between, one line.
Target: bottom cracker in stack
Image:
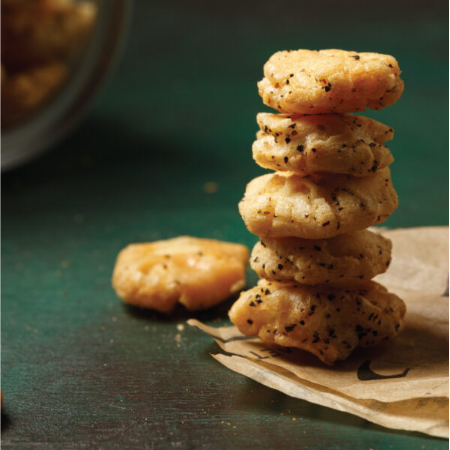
[(316, 295)]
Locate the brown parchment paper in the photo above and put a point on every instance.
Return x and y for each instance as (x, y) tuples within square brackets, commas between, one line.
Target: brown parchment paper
[(402, 384)]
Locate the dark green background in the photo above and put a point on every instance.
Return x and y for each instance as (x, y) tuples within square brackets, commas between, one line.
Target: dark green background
[(80, 369)]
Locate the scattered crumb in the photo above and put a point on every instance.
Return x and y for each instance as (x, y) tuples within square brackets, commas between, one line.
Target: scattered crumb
[(114, 319), (146, 328), (211, 187), (111, 341), (180, 327)]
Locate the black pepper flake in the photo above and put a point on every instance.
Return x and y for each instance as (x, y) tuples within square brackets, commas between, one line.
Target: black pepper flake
[(313, 150), (331, 297), (316, 247), (326, 224), (355, 57), (286, 159), (290, 328), (252, 304), (267, 292), (358, 328), (300, 148), (280, 266), (302, 322), (250, 322), (287, 140)]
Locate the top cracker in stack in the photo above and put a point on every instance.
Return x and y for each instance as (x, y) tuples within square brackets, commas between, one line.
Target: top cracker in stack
[(332, 181)]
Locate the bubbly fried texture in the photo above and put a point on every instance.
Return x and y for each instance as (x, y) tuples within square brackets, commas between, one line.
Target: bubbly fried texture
[(348, 260), (330, 323), (40, 31), (198, 273), (316, 206), (24, 92), (332, 143), (330, 81)]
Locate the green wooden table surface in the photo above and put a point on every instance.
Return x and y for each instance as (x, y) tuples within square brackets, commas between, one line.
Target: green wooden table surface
[(80, 370)]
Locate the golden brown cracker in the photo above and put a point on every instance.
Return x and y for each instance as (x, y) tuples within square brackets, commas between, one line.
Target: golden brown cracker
[(316, 206), (330, 81), (347, 260), (330, 323), (332, 143), (198, 273)]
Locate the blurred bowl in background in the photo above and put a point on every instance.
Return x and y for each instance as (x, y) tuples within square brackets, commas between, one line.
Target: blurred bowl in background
[(44, 96)]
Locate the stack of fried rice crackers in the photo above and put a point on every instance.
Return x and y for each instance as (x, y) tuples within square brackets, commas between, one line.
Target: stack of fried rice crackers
[(315, 257)]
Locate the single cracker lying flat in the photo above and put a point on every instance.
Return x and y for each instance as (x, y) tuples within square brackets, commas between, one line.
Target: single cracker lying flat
[(330, 323), (332, 143), (330, 81), (198, 273), (344, 261), (316, 206)]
